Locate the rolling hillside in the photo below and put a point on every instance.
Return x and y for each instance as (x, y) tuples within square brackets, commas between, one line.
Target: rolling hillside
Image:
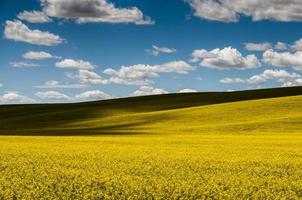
[(250, 111), (237, 145)]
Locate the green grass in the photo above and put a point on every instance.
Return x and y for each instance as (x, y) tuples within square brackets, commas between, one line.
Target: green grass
[(241, 145)]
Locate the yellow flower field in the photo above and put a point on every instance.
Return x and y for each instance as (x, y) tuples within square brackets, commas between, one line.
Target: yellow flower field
[(151, 167), (237, 150)]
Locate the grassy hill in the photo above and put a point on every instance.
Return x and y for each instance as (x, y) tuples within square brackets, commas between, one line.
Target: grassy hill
[(228, 112)]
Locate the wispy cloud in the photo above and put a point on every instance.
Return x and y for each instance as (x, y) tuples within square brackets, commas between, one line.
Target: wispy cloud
[(155, 51)]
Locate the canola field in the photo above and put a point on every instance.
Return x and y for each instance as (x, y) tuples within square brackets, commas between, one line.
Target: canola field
[(236, 150), (151, 167)]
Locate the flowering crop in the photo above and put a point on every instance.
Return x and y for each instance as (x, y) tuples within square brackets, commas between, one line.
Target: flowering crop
[(243, 150), (151, 167)]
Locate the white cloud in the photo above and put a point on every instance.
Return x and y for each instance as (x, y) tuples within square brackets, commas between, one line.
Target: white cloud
[(258, 46), (231, 10), (283, 59), (281, 46), (52, 95), (1, 85), (34, 16), (297, 46), (281, 75), (141, 74), (139, 71), (92, 95), (85, 11), (228, 80), (88, 77), (14, 97), (129, 81), (179, 67), (148, 90), (227, 58), (15, 30), (88, 95), (187, 90), (56, 84), (292, 82), (23, 64), (70, 63), (132, 75), (199, 54), (157, 50), (212, 10), (38, 55)]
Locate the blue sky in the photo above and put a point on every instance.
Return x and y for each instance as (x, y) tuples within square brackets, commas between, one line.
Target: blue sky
[(72, 50)]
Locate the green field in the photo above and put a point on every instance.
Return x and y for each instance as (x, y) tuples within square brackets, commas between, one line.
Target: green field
[(235, 145)]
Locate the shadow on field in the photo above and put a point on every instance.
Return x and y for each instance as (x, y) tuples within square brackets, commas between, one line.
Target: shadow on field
[(121, 129)]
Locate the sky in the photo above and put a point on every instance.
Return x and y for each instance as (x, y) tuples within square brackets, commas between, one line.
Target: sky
[(82, 50)]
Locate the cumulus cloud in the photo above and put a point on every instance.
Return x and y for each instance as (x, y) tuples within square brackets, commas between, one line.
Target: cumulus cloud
[(85, 11), (134, 72), (179, 67), (14, 97), (87, 95), (280, 75), (278, 46), (141, 74), (297, 46), (92, 95), (292, 82), (157, 50), (199, 54), (227, 58), (213, 10), (34, 16), (88, 77), (231, 10), (17, 31), (52, 95), (123, 81), (70, 63), (281, 46), (228, 80), (23, 64), (132, 75), (56, 84), (258, 46), (283, 59), (187, 90), (148, 90), (38, 55)]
